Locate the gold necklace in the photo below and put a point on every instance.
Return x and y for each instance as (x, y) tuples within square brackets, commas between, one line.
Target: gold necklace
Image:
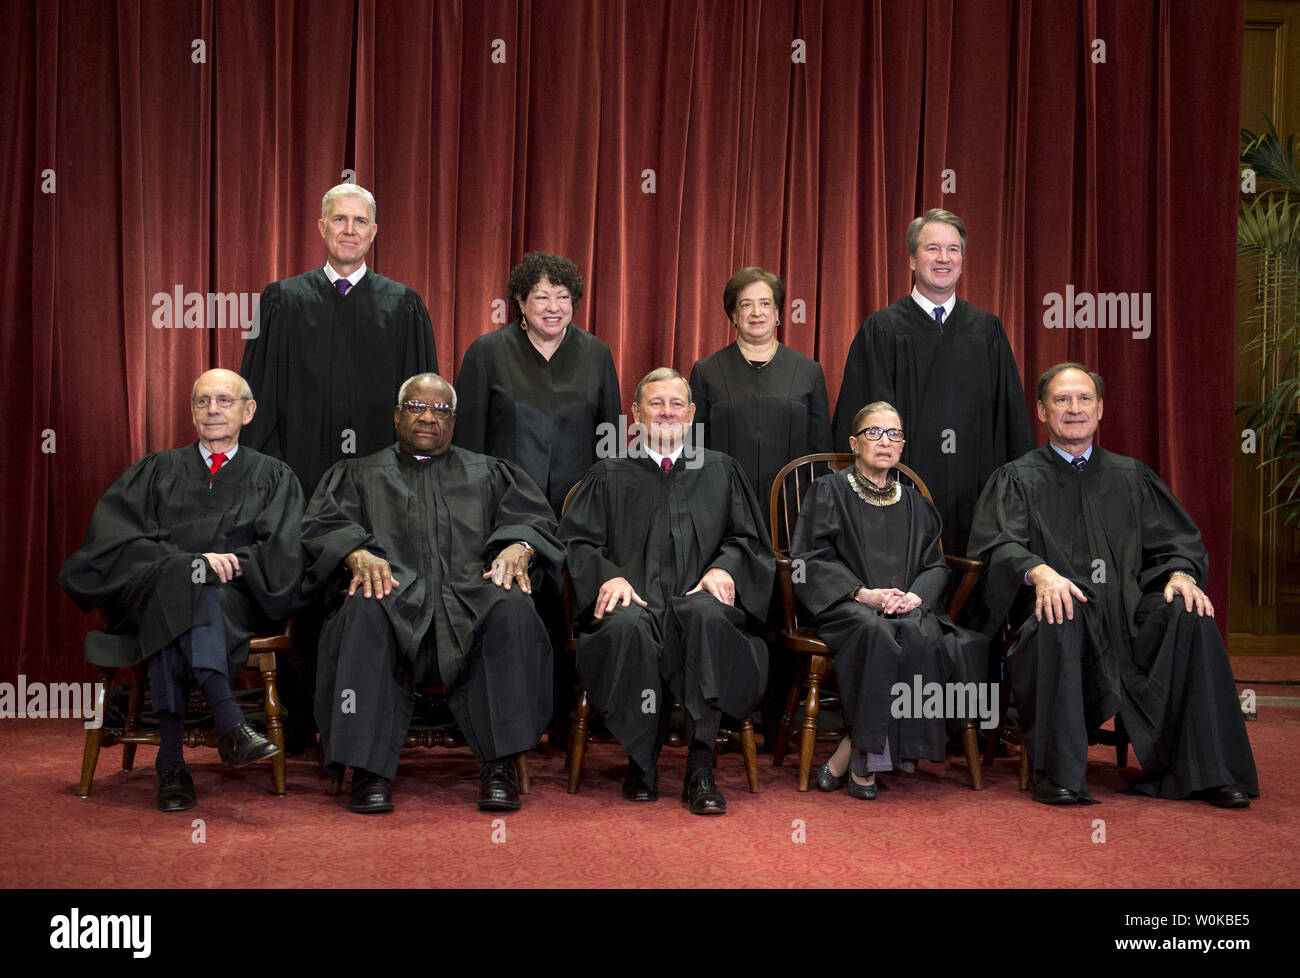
[(776, 345), (872, 494)]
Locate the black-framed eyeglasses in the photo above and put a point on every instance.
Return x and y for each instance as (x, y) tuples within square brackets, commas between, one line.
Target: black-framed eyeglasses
[(874, 433), (417, 408), (224, 401)]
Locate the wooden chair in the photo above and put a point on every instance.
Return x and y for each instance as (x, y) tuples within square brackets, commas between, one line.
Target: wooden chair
[(261, 657), (814, 656), (579, 727), (443, 735)]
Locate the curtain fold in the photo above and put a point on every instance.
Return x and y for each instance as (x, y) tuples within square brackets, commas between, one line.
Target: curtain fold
[(660, 144)]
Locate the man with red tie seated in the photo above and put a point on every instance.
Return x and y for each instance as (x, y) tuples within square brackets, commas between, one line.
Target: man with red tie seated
[(192, 552), (668, 553)]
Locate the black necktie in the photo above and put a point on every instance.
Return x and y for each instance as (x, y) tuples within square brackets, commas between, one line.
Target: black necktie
[(1078, 464)]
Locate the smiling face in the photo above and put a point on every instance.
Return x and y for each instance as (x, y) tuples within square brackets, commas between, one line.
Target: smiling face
[(1071, 410), (876, 458), (666, 410), (220, 409), (936, 266), (348, 230), (756, 314), (427, 431), (548, 308)]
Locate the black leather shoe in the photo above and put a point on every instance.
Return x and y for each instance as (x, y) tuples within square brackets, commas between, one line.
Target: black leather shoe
[(498, 787), (1225, 796), (641, 788), (372, 794), (863, 792), (244, 745), (176, 790), (701, 793), (827, 781), (1048, 792)]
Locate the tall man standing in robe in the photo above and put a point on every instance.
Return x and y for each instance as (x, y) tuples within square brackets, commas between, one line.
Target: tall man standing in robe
[(424, 550), (949, 370), (332, 346), (1100, 566), (192, 552), (668, 554)]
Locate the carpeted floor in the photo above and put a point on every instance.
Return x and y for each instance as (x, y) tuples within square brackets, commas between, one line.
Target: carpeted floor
[(927, 830)]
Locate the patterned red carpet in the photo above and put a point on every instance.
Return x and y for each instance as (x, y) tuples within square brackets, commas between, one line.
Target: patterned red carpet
[(927, 830)]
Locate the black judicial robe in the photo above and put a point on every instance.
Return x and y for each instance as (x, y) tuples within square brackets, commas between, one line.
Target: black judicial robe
[(137, 562), (762, 416), (963, 379), (1118, 533), (323, 365), (662, 531), (843, 542), (541, 414), (439, 524)]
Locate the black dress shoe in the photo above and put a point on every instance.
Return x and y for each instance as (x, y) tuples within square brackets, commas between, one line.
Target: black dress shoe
[(244, 745), (863, 792), (372, 794), (701, 793), (1048, 792), (827, 781), (498, 787), (176, 790), (640, 787), (1225, 796)]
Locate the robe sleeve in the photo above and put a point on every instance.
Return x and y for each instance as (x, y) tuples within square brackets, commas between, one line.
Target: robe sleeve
[(585, 533), (334, 526), (932, 576), (271, 567), (853, 389), (422, 348), (472, 391), (1013, 432), (819, 416), (699, 392), (521, 512), (263, 360), (1170, 540), (745, 552), (825, 579), (610, 399), (1000, 536), (125, 549)]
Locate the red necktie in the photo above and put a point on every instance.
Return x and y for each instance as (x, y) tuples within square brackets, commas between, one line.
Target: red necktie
[(666, 464), (218, 460)]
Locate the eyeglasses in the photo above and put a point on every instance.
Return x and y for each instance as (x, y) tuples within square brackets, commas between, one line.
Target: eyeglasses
[(223, 401), (873, 434), (417, 408)]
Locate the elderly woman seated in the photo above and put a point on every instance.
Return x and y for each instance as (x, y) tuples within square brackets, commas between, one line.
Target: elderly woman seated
[(873, 578)]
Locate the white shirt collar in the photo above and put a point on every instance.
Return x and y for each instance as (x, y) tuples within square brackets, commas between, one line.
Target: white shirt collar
[(929, 306), (207, 455), (334, 276), (659, 459)]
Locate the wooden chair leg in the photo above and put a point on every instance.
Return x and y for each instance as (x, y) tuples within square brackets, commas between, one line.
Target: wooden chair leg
[(94, 736), (971, 743), (274, 727), (786, 729), (578, 740), (133, 715), (334, 787), (808, 738), (1024, 766), (521, 771), (750, 752)]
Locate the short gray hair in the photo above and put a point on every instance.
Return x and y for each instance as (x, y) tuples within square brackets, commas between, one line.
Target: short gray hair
[(347, 190), (934, 215), (658, 374), (425, 379)]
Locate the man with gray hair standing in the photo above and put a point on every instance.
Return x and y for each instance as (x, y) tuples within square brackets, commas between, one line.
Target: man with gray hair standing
[(428, 555), (948, 368), (330, 349)]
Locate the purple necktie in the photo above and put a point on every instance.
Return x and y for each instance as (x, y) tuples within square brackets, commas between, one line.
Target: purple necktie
[(342, 285)]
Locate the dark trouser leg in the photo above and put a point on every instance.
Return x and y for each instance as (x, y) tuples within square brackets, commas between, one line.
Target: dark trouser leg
[(297, 678), (1047, 679), (618, 662), (364, 694), (503, 702), (168, 691)]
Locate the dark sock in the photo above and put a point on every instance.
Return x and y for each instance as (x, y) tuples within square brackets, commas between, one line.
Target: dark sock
[(704, 737), (225, 711), (699, 757), (171, 731), (634, 773)]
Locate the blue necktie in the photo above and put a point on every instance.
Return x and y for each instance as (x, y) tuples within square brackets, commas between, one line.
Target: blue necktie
[(938, 317), (1079, 462)]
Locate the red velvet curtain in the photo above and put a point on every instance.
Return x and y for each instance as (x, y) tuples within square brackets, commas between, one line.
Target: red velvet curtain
[(163, 145)]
